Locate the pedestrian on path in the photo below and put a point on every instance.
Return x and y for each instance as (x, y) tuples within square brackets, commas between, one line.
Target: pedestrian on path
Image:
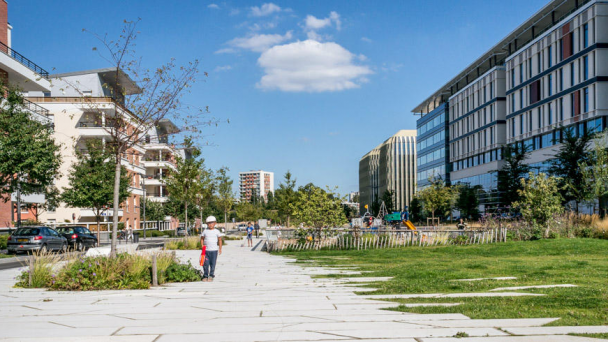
[(249, 234), (257, 230), (212, 239)]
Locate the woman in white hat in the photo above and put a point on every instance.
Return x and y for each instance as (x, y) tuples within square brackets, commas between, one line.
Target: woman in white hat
[(212, 239)]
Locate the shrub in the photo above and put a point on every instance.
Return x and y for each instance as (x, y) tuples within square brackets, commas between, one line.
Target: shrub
[(189, 243), (181, 273), (43, 274), (3, 241)]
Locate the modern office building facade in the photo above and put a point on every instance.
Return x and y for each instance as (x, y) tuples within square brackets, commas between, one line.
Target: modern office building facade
[(255, 184), (547, 75), (559, 81), (368, 178), (477, 131), (389, 167), (432, 147)]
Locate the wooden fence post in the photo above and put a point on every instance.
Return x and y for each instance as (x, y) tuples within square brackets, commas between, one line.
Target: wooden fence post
[(154, 271), (31, 270)]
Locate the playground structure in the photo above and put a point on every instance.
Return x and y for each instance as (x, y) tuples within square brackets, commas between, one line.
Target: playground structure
[(395, 220)]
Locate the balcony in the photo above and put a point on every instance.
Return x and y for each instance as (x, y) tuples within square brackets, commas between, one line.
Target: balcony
[(160, 164), (157, 197), (92, 129), (37, 112), (104, 213), (22, 71)]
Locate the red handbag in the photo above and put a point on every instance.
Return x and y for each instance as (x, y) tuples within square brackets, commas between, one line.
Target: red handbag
[(202, 260)]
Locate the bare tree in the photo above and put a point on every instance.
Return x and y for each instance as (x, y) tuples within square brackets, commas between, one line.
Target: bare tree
[(138, 109)]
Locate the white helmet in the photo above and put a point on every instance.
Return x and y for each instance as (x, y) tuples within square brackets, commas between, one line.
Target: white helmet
[(210, 219)]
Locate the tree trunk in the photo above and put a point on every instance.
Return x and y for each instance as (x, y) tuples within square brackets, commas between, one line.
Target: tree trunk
[(115, 207), (288, 218), (186, 216), (97, 219), (225, 222)]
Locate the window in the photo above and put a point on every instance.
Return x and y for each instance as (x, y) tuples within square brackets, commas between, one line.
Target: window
[(550, 85), (539, 117), (561, 109), (512, 128), (491, 135), (561, 49), (512, 78), (485, 116), (586, 36), (530, 127), (521, 73), (529, 67), (586, 100), (538, 61), (561, 79), (586, 68), (549, 57), (491, 113), (485, 97), (491, 90), (572, 74), (550, 114), (512, 103), (521, 98), (521, 124)]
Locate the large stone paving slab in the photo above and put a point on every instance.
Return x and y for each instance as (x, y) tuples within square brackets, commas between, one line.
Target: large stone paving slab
[(255, 297)]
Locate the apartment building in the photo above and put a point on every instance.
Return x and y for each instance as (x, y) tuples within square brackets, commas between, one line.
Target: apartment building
[(159, 160), (255, 183), (18, 70), (84, 105), (391, 166), (547, 75)]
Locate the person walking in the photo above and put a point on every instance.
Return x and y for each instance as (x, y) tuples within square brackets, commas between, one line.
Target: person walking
[(212, 239), (249, 234), (257, 230)]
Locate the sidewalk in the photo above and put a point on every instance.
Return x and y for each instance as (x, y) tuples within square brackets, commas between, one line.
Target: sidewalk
[(255, 297)]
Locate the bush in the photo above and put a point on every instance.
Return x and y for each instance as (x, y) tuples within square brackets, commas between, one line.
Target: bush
[(181, 273), (189, 243), (43, 275), (3, 241)]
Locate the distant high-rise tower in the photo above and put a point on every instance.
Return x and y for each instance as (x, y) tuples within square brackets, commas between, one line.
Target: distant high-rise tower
[(255, 183)]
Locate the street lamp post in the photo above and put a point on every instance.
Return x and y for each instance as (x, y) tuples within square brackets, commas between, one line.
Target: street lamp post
[(143, 185)]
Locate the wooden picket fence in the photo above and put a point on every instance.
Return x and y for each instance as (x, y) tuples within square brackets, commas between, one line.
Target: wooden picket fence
[(352, 240)]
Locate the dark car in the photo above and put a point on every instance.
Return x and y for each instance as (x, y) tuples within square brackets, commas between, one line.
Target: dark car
[(79, 238), (30, 239)]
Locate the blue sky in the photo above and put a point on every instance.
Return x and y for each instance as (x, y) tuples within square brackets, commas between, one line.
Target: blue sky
[(309, 86)]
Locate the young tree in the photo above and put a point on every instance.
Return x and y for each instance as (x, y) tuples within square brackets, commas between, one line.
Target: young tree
[(572, 157), (91, 181), (29, 156), (225, 199), (387, 198), (184, 184), (595, 174), (514, 169), (158, 95), (318, 208), (415, 210), (207, 189), (468, 201), (285, 197), (540, 199), (247, 211), (437, 196), (154, 211)]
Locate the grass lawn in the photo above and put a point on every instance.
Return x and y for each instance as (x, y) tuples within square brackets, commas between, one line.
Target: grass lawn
[(2, 255), (582, 262)]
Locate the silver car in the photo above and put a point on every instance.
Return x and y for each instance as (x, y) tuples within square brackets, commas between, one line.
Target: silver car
[(29, 239)]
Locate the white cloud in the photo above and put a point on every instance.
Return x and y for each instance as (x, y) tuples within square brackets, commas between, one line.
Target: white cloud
[(264, 10), (213, 6), (220, 68), (365, 39), (312, 24), (226, 50), (234, 11), (310, 66), (257, 42)]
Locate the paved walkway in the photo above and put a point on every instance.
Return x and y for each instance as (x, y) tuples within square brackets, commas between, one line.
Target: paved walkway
[(255, 297)]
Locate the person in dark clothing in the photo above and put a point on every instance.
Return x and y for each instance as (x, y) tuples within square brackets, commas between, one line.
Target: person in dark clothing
[(257, 230)]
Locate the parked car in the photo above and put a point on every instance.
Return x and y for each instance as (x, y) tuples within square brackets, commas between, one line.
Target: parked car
[(242, 227), (79, 238), (29, 239), (181, 231)]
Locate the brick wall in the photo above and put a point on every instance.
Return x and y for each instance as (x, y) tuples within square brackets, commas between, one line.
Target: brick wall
[(3, 22), (5, 211)]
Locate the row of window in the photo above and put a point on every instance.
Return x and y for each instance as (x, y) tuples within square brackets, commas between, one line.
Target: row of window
[(556, 137), (465, 104), (436, 172), (430, 141), (487, 181), (472, 122), (439, 120), (545, 87), (546, 115), (479, 159), (479, 140), (431, 157), (551, 55)]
